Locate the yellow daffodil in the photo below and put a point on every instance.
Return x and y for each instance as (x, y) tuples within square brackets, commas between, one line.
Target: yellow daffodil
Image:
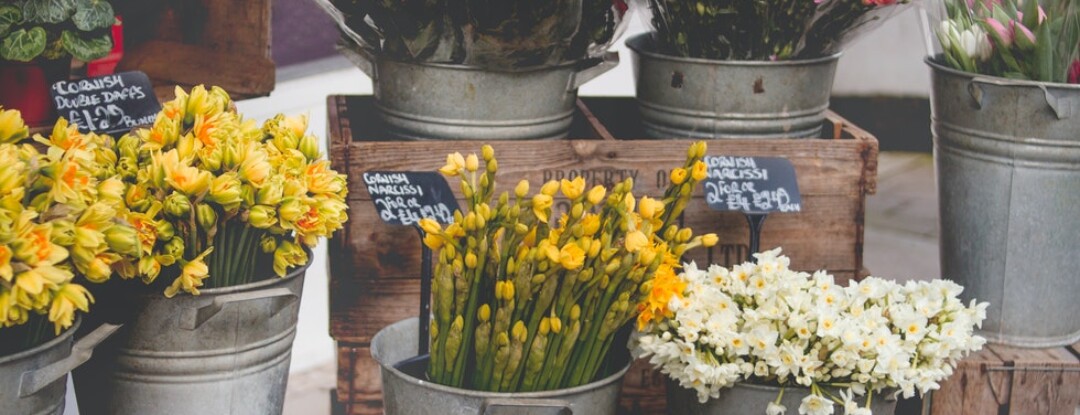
[(572, 189), (183, 177), (635, 241), (454, 163), (12, 127), (262, 216), (596, 194), (6, 271), (430, 226), (571, 256), (541, 205), (650, 208), (225, 191), (191, 276), (590, 224), (68, 299), (678, 176), (522, 189), (288, 255), (709, 240), (700, 171), (255, 168), (549, 188)]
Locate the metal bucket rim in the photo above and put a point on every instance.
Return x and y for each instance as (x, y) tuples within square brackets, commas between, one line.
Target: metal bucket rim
[(273, 280), (555, 393), (63, 337), (641, 44), (997, 80), (746, 384), (568, 65)]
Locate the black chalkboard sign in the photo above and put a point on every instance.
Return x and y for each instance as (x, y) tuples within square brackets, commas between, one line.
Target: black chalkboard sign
[(107, 104), (752, 184), (403, 198)]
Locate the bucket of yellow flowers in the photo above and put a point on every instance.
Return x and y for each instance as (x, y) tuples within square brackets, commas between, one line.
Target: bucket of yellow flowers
[(527, 315), (226, 212), (58, 231)]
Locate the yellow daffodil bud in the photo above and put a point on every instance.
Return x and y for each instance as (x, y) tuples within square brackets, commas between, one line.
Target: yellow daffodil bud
[(519, 332), (612, 266), (596, 195), (671, 232), (177, 205), (635, 241), (470, 260), (646, 257), (649, 208), (508, 291), (430, 226), (174, 248), (575, 312), (12, 127), (111, 189), (521, 189), (471, 163), (594, 250), (262, 216), (268, 243), (309, 146), (484, 314), (538, 279), (684, 235), (709, 240), (206, 216), (292, 210), (550, 188), (541, 205), (487, 152), (590, 224), (629, 202), (123, 239), (545, 326), (433, 241), (678, 176), (492, 166), (700, 171), (556, 324), (571, 256), (585, 276), (572, 189), (225, 190)]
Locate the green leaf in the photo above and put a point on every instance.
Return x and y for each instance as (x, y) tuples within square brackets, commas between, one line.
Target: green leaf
[(86, 49), (23, 45), (92, 15), (10, 16), (48, 11), (1044, 55), (1031, 14)]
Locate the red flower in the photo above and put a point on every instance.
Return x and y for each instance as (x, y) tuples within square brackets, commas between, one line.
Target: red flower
[(620, 5), (1074, 72)]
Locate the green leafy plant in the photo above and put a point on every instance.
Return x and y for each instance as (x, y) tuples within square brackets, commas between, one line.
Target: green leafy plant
[(54, 29)]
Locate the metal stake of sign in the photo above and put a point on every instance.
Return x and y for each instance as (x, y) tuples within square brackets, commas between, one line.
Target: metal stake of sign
[(756, 221), (416, 365)]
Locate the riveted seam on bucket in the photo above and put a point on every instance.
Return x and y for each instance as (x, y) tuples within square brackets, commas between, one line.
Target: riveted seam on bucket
[(1020, 341), (276, 339), (806, 113), (659, 130), (965, 142), (563, 115), (206, 376)]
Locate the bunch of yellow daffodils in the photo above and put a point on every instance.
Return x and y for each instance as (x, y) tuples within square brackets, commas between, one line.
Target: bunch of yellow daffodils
[(214, 196), (523, 305), (58, 224)]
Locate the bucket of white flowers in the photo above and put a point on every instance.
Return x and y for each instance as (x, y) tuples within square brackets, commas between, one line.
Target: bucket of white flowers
[(760, 336)]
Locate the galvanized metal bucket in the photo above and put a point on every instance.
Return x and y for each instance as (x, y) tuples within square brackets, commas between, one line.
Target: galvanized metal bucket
[(442, 101), (749, 399), (1007, 155), (406, 395), (702, 98), (225, 351), (34, 382)]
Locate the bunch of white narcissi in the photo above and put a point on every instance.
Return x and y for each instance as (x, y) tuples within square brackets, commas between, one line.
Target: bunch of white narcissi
[(766, 324)]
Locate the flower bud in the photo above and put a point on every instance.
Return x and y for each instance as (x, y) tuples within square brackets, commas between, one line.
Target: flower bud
[(596, 195), (487, 152), (545, 326), (492, 166), (165, 229), (709, 240), (556, 324), (206, 215), (225, 190), (268, 243), (522, 189), (484, 314), (433, 241), (471, 163), (550, 188), (470, 260), (684, 235), (309, 146), (262, 216), (700, 171), (292, 210), (175, 248), (123, 239), (575, 312), (678, 176), (177, 205)]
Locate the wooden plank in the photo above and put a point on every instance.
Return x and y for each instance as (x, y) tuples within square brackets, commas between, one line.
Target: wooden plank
[(371, 305), (1044, 380), (183, 64), (359, 385), (643, 390), (972, 390)]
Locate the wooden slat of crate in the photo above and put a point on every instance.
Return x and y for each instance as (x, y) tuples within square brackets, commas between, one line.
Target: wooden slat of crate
[(1010, 380), (213, 42), (374, 267)]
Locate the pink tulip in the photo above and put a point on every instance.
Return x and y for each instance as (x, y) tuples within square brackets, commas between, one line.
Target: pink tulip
[(1018, 29), (1074, 73), (1003, 32)]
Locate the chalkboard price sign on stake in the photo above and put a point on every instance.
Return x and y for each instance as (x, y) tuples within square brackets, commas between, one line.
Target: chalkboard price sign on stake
[(108, 104), (403, 198), (755, 186)]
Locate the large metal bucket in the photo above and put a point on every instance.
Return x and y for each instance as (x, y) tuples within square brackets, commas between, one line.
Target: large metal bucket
[(1007, 155), (702, 98), (34, 382), (406, 395), (749, 399), (226, 351), (441, 101)]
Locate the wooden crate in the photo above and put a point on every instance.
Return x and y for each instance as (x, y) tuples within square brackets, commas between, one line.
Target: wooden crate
[(1009, 380), (191, 42), (374, 267)]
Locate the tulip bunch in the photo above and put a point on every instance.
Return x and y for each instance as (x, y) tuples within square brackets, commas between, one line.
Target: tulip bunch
[(59, 227), (1012, 38), (523, 305), (215, 195)]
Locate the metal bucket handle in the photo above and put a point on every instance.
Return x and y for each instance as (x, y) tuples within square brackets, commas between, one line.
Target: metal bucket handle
[(1063, 106), (607, 63), (498, 406), (34, 381), (193, 317)]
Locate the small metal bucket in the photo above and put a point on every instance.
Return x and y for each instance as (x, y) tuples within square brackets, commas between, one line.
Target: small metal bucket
[(749, 399), (442, 101), (225, 351), (34, 382), (702, 98), (406, 395), (1007, 155)]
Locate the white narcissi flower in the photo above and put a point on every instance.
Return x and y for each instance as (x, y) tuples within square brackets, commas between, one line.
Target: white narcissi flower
[(775, 409), (815, 405)]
